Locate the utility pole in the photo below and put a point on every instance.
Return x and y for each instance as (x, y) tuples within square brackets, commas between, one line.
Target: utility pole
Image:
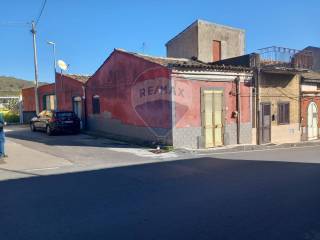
[(33, 31), (55, 71), (257, 93)]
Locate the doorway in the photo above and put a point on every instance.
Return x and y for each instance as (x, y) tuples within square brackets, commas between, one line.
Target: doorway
[(77, 107), (212, 117), (312, 121), (265, 131)]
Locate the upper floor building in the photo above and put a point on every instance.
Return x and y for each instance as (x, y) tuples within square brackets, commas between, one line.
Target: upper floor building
[(207, 42)]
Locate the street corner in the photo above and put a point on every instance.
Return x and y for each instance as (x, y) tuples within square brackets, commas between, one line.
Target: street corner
[(26, 161)]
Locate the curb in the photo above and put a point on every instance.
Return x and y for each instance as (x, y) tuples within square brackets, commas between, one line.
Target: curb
[(248, 148)]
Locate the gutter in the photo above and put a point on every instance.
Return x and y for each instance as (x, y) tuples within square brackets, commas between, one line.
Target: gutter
[(238, 104)]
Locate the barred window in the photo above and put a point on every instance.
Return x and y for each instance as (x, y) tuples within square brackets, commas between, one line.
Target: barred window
[(283, 113)]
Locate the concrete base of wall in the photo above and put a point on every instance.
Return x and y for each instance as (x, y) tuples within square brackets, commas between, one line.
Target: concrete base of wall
[(285, 134), (27, 116), (192, 137), (187, 137), (103, 124), (230, 136)]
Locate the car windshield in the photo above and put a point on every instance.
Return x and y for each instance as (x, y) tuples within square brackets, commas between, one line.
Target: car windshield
[(64, 114)]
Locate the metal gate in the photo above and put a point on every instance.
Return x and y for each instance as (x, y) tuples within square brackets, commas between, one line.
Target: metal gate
[(265, 130)]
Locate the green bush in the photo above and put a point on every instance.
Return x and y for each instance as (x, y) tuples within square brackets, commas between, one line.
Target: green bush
[(10, 117)]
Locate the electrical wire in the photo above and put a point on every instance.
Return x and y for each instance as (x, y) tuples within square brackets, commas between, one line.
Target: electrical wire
[(22, 24), (41, 12), (14, 24)]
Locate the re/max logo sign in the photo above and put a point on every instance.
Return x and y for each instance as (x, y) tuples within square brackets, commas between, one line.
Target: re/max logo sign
[(160, 90)]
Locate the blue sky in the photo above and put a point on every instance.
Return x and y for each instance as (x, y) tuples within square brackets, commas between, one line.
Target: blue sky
[(86, 31)]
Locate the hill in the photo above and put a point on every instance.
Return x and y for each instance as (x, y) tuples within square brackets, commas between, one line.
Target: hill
[(10, 86)]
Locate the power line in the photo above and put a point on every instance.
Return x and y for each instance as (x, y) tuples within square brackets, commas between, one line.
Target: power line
[(14, 24), (41, 11)]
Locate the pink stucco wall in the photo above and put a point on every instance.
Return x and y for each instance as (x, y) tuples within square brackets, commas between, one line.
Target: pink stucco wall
[(129, 90), (188, 106)]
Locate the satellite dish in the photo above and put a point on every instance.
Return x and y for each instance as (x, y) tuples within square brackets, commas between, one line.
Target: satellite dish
[(62, 65)]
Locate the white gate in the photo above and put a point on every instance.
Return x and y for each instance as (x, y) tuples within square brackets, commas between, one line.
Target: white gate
[(312, 121)]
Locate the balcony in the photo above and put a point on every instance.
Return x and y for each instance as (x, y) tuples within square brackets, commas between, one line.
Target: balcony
[(286, 57)]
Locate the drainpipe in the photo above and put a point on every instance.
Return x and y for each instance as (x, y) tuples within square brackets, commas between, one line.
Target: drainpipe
[(84, 89), (257, 90), (238, 106), (300, 110)]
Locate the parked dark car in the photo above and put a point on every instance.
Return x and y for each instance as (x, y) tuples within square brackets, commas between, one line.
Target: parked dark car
[(56, 121)]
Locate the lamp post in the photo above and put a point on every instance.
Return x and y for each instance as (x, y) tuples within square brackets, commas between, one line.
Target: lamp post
[(53, 44)]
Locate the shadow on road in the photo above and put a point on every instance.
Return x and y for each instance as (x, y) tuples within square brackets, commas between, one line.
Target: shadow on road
[(192, 199), (64, 139)]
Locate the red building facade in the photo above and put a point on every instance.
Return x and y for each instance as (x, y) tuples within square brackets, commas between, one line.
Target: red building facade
[(310, 105), (70, 96), (144, 98), (179, 102)]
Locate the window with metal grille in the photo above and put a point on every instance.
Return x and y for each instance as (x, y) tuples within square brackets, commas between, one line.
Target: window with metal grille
[(95, 105), (283, 113)]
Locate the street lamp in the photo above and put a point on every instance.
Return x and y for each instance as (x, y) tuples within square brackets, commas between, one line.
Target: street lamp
[(53, 44)]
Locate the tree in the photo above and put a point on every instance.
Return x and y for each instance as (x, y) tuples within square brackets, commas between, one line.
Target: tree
[(13, 105)]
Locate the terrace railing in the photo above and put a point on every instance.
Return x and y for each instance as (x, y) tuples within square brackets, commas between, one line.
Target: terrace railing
[(286, 57)]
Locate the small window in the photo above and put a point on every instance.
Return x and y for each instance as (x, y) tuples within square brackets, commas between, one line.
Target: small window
[(49, 102), (96, 104), (283, 113), (216, 51)]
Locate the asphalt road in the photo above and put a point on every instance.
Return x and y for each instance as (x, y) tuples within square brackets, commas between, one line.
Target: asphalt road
[(192, 199), (228, 196)]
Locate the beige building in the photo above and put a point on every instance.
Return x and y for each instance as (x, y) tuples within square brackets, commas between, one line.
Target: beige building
[(279, 106), (208, 42), (276, 95)]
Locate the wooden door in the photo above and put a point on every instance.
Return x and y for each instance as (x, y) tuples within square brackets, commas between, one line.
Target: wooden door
[(212, 117), (265, 130)]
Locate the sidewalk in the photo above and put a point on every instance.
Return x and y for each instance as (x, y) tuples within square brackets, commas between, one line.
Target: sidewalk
[(249, 147), (23, 161)]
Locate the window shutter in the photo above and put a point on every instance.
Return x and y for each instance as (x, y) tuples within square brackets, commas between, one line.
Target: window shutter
[(287, 113), (44, 102), (283, 113)]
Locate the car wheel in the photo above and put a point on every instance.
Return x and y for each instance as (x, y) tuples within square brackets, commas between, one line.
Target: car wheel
[(48, 131), (32, 127)]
